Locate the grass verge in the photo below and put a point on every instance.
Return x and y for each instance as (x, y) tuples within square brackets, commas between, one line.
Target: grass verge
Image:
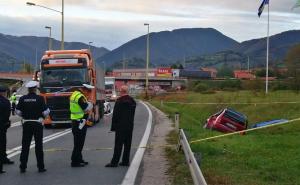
[(178, 169), (265, 157)]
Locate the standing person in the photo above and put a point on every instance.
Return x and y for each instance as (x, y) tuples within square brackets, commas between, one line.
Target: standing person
[(32, 109), (4, 125), (13, 100), (79, 108), (122, 124)]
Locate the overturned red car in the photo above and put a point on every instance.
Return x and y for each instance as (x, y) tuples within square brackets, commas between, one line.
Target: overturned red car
[(227, 120)]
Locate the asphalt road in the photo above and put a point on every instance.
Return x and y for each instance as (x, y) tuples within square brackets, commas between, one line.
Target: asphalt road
[(58, 147)]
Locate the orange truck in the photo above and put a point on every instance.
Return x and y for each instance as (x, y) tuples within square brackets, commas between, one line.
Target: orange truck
[(63, 71)]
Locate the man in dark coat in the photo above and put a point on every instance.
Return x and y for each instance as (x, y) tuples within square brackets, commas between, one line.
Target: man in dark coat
[(4, 125), (122, 125)]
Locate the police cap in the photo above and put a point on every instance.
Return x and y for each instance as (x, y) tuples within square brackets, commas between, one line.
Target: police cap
[(32, 84)]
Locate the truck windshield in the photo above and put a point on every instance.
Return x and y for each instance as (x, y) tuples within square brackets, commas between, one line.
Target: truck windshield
[(109, 86), (64, 77)]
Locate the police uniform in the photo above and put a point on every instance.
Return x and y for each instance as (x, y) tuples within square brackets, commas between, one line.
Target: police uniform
[(4, 124), (32, 109), (79, 108)]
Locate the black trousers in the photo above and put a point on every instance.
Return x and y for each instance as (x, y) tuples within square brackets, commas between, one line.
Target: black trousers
[(2, 147), (13, 108), (79, 139), (123, 138), (32, 129), (3, 155)]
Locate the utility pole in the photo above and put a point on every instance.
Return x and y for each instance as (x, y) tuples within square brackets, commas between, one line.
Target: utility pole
[(36, 59), (62, 26), (50, 37), (147, 63), (24, 65), (248, 63)]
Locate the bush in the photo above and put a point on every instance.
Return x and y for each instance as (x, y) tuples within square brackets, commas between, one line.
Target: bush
[(253, 85), (201, 87)]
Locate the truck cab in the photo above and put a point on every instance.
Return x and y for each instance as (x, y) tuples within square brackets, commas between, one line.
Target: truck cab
[(61, 73)]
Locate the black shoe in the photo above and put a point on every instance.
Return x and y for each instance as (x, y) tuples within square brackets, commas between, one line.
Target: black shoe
[(8, 162), (42, 170), (22, 170), (110, 165), (77, 165), (124, 164), (84, 162)]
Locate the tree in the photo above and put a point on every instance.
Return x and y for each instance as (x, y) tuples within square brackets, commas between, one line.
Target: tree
[(293, 64), (262, 73), (225, 72)]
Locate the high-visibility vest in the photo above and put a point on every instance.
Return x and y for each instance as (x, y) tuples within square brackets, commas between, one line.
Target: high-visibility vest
[(13, 99), (75, 109)]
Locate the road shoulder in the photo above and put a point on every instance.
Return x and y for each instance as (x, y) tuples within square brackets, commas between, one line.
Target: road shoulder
[(154, 166)]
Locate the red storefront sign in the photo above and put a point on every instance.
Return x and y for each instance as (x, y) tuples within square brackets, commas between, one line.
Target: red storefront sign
[(164, 72)]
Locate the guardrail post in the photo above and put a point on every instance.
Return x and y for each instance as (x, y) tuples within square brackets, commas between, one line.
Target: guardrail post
[(177, 121), (195, 170), (161, 103)]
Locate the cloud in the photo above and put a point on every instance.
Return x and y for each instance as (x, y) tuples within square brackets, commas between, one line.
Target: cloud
[(110, 23)]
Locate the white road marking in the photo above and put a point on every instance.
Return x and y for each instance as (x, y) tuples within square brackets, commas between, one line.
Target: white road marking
[(16, 124), (17, 150), (131, 174)]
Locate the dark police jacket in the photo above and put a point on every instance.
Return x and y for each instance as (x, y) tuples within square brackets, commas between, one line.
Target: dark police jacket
[(123, 115), (4, 113), (32, 106)]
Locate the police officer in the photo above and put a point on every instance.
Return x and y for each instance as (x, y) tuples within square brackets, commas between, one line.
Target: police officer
[(13, 100), (32, 109), (79, 108), (4, 125)]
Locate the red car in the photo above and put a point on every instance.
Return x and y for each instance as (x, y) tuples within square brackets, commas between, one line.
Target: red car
[(227, 120)]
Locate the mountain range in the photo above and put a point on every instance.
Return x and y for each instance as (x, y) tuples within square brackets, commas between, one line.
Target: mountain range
[(202, 47), (27, 48), (194, 47)]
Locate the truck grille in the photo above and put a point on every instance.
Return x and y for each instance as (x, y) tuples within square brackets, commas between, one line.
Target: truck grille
[(59, 107)]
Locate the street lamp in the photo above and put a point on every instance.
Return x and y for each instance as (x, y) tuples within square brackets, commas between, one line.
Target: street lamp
[(62, 18), (50, 37), (90, 45), (104, 67), (147, 61)]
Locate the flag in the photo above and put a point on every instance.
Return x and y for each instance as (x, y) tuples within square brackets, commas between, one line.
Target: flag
[(262, 7), (296, 5)]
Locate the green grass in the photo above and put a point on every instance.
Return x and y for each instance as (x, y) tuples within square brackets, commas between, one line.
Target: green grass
[(266, 157), (180, 173)]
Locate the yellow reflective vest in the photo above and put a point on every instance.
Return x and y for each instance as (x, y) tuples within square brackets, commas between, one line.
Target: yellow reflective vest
[(75, 109), (13, 99)]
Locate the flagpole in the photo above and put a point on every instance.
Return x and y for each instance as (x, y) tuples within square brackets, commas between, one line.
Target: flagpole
[(268, 46)]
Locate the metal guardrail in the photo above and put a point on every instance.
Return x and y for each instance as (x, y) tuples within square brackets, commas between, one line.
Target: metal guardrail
[(197, 175)]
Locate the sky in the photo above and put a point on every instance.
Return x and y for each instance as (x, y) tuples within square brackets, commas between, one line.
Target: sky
[(111, 23)]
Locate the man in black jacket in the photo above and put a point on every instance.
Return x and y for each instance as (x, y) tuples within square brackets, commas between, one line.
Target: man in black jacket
[(122, 124), (4, 125)]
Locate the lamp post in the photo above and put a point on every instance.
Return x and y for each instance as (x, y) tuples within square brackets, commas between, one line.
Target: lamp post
[(147, 61), (90, 45), (104, 67), (62, 18), (50, 37)]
